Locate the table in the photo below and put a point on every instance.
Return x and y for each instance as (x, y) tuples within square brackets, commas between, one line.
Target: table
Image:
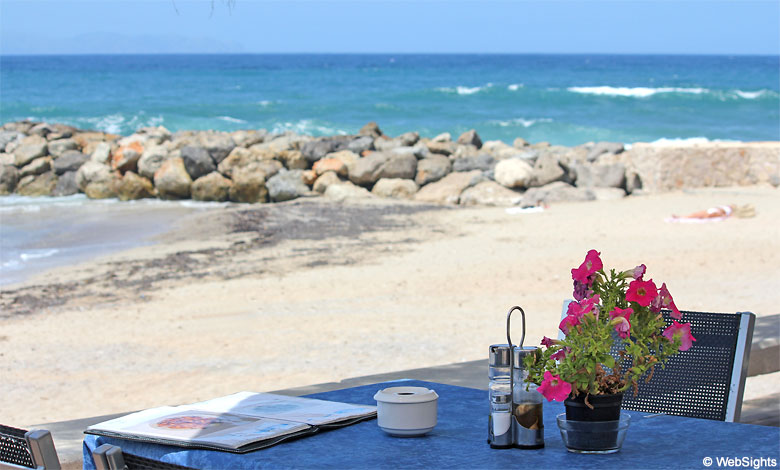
[(459, 441)]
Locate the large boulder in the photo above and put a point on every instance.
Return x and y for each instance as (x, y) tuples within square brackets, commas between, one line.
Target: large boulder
[(286, 185), (172, 180), (211, 187), (395, 188), (249, 187), (398, 166), (489, 193), (125, 158), (317, 149), (101, 153), (371, 129), (293, 160), (361, 144), (197, 161), (481, 161), (96, 180), (29, 149), (69, 161), (443, 137), (59, 147), (326, 179), (442, 148), (151, 160), (432, 169), (600, 176), (385, 143), (419, 151), (248, 138), (448, 189), (244, 160), (470, 138), (347, 157), (36, 167), (365, 171), (335, 165), (66, 184), (9, 176), (37, 185), (346, 190), (547, 170), (604, 147), (6, 137), (132, 187), (218, 144), (556, 192), (513, 173), (154, 135)]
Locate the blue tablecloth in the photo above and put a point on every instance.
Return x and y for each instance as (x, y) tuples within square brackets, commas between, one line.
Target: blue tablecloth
[(459, 441)]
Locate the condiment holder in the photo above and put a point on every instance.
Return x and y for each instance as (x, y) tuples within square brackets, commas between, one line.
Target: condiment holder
[(406, 411)]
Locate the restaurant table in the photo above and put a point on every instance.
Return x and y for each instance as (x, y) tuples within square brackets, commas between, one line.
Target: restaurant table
[(460, 441)]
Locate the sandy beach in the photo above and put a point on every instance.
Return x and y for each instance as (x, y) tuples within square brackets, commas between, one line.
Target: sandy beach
[(262, 297)]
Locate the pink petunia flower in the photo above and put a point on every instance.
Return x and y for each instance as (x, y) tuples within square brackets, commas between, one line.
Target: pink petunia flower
[(578, 309), (620, 319), (553, 388), (568, 322), (560, 354), (547, 342), (683, 330), (591, 265), (641, 292), (639, 271), (666, 301)]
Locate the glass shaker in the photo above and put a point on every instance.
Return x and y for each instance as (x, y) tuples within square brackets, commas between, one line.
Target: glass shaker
[(500, 390), (527, 422)]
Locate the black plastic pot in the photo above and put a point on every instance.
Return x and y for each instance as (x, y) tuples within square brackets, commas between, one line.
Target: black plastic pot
[(605, 407)]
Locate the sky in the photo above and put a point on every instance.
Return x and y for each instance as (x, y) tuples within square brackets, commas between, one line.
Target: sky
[(370, 26)]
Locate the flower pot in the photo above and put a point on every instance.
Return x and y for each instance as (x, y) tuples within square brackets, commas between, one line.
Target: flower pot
[(605, 407)]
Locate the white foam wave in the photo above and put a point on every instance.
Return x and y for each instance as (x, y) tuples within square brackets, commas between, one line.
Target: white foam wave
[(118, 123), (306, 126), (265, 103), (685, 141), (635, 92), (37, 254), (464, 90), (521, 122), (231, 119), (515, 86), (752, 95)]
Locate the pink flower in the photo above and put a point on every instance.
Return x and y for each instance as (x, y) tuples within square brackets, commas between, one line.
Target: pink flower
[(620, 317), (666, 301), (639, 271), (578, 309), (553, 388), (681, 330), (547, 342), (621, 312), (568, 322), (641, 292), (591, 265), (560, 354)]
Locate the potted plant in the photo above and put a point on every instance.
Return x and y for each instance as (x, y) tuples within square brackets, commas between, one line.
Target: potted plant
[(610, 307)]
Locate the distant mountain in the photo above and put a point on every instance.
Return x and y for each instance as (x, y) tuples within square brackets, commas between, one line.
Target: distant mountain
[(112, 43)]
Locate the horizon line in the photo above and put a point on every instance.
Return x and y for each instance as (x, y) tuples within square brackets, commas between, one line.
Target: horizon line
[(50, 54)]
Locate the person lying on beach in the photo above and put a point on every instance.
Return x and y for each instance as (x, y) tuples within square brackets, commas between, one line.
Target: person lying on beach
[(716, 213)]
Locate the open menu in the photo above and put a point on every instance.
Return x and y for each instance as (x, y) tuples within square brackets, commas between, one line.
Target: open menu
[(239, 423)]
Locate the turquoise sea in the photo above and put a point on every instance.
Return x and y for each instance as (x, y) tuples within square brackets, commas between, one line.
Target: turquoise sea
[(563, 99)]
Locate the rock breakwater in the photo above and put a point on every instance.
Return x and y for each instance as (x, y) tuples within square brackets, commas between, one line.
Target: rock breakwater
[(255, 166)]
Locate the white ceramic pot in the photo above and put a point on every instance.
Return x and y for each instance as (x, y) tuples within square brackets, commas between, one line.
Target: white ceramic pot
[(406, 411)]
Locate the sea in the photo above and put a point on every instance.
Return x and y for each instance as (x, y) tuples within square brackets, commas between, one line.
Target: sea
[(561, 99)]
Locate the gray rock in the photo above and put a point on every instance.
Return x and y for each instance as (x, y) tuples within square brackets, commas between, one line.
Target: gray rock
[(96, 180), (371, 129), (198, 161), (36, 167), (59, 147), (132, 187), (7, 159), (248, 187), (384, 143), (29, 149), (212, 187), (419, 151), (69, 161), (395, 188), (513, 173), (398, 166), (172, 180), (432, 169), (218, 144), (634, 182), (286, 185), (154, 135), (604, 147), (6, 137), (365, 171), (556, 192), (470, 138), (293, 160), (37, 185), (489, 193), (442, 148), (239, 159), (249, 138), (361, 144), (41, 129), (19, 126), (443, 137), (9, 176), (317, 149), (66, 184), (102, 153), (151, 160), (448, 189), (269, 167), (481, 161), (346, 190), (408, 139), (326, 179), (600, 176), (547, 170)]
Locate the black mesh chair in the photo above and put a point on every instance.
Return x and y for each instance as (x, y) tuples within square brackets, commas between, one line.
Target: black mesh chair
[(27, 449), (708, 380), (109, 457)]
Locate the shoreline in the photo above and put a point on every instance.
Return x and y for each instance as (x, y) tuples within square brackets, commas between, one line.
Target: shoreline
[(368, 286)]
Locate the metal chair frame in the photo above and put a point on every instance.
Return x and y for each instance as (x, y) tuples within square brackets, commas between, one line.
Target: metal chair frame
[(20, 449)]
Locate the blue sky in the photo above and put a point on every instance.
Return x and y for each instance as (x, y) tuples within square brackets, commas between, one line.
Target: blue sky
[(476, 26)]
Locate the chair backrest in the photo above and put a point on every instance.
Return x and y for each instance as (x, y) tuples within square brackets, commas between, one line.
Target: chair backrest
[(708, 380), (111, 457), (20, 449)]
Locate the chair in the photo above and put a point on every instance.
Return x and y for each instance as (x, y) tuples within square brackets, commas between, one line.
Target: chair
[(20, 449), (110, 457), (708, 380)]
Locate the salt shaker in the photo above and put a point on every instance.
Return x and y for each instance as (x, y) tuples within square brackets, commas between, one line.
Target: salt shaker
[(500, 390), (527, 405)]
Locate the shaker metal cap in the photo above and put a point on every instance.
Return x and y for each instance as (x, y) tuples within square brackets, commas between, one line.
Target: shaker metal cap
[(521, 352), (499, 355)]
